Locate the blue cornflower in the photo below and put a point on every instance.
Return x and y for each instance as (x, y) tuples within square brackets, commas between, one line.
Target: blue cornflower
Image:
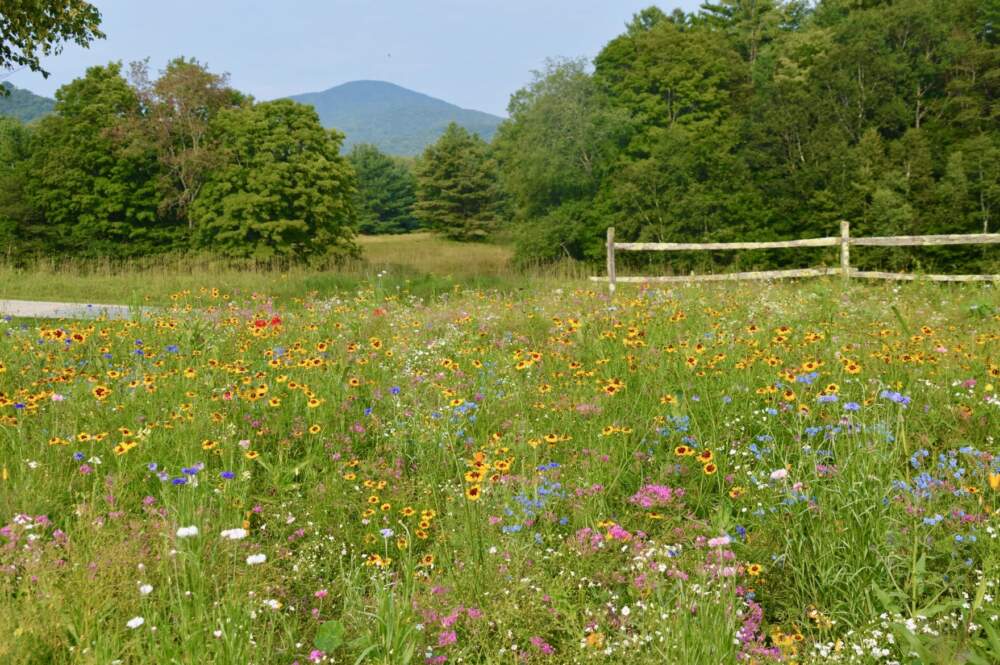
[(894, 396), (394, 390), (180, 480), (227, 475), (807, 378), (78, 456), (852, 406)]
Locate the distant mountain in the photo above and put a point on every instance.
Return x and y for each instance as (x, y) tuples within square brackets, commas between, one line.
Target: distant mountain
[(24, 104), (397, 120)]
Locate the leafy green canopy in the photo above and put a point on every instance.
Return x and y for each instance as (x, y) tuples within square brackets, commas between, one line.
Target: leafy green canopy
[(765, 119), (32, 29), (284, 191), (130, 167)]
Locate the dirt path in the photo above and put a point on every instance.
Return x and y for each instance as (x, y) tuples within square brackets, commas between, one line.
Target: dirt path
[(35, 309)]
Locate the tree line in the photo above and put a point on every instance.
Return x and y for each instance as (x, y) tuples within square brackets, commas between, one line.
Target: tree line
[(746, 120), (760, 120)]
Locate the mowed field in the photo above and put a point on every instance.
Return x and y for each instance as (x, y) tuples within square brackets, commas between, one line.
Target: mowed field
[(471, 466)]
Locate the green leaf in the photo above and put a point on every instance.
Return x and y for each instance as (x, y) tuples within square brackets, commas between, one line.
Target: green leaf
[(884, 597), (329, 636), (994, 639)]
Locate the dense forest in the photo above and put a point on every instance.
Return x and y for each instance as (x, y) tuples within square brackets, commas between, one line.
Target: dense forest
[(23, 104), (749, 120)]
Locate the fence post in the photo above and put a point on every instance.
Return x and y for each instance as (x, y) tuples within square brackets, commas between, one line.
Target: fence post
[(845, 250), (611, 261)]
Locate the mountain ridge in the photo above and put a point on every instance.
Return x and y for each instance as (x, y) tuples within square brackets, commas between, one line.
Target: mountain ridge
[(23, 104), (397, 120)]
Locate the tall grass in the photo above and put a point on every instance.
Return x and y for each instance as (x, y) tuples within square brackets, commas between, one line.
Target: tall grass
[(420, 263)]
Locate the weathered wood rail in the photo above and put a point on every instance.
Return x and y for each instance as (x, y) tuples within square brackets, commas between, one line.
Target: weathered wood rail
[(844, 241)]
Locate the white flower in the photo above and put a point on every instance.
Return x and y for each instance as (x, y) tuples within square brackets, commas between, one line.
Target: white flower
[(234, 534), (187, 532), (255, 559), (145, 589), (626, 611), (135, 622), (273, 604)]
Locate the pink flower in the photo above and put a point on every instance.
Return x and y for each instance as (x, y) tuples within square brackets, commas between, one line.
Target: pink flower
[(542, 645), (618, 533), (721, 541), (655, 495), (316, 655), (447, 637)]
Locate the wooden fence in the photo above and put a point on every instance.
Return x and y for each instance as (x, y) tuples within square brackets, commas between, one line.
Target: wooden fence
[(844, 241)]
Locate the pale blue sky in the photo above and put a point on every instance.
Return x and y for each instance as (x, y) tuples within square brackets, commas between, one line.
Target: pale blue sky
[(473, 53)]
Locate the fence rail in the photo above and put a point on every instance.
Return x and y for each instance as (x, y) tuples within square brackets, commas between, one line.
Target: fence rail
[(844, 241)]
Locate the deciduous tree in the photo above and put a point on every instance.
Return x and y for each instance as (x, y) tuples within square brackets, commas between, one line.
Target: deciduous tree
[(33, 29), (282, 190)]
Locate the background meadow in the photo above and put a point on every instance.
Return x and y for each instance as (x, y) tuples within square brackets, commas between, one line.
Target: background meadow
[(519, 472)]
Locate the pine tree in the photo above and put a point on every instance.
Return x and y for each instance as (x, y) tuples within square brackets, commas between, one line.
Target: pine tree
[(386, 191), (457, 192)]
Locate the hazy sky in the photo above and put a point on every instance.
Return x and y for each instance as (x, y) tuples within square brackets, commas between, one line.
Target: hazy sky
[(473, 53)]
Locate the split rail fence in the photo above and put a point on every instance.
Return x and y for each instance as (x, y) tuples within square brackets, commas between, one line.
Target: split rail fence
[(844, 241)]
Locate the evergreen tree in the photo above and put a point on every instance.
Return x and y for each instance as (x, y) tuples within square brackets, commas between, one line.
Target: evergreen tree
[(386, 191), (457, 193)]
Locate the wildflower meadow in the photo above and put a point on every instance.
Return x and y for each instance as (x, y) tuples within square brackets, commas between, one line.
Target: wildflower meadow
[(799, 473)]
